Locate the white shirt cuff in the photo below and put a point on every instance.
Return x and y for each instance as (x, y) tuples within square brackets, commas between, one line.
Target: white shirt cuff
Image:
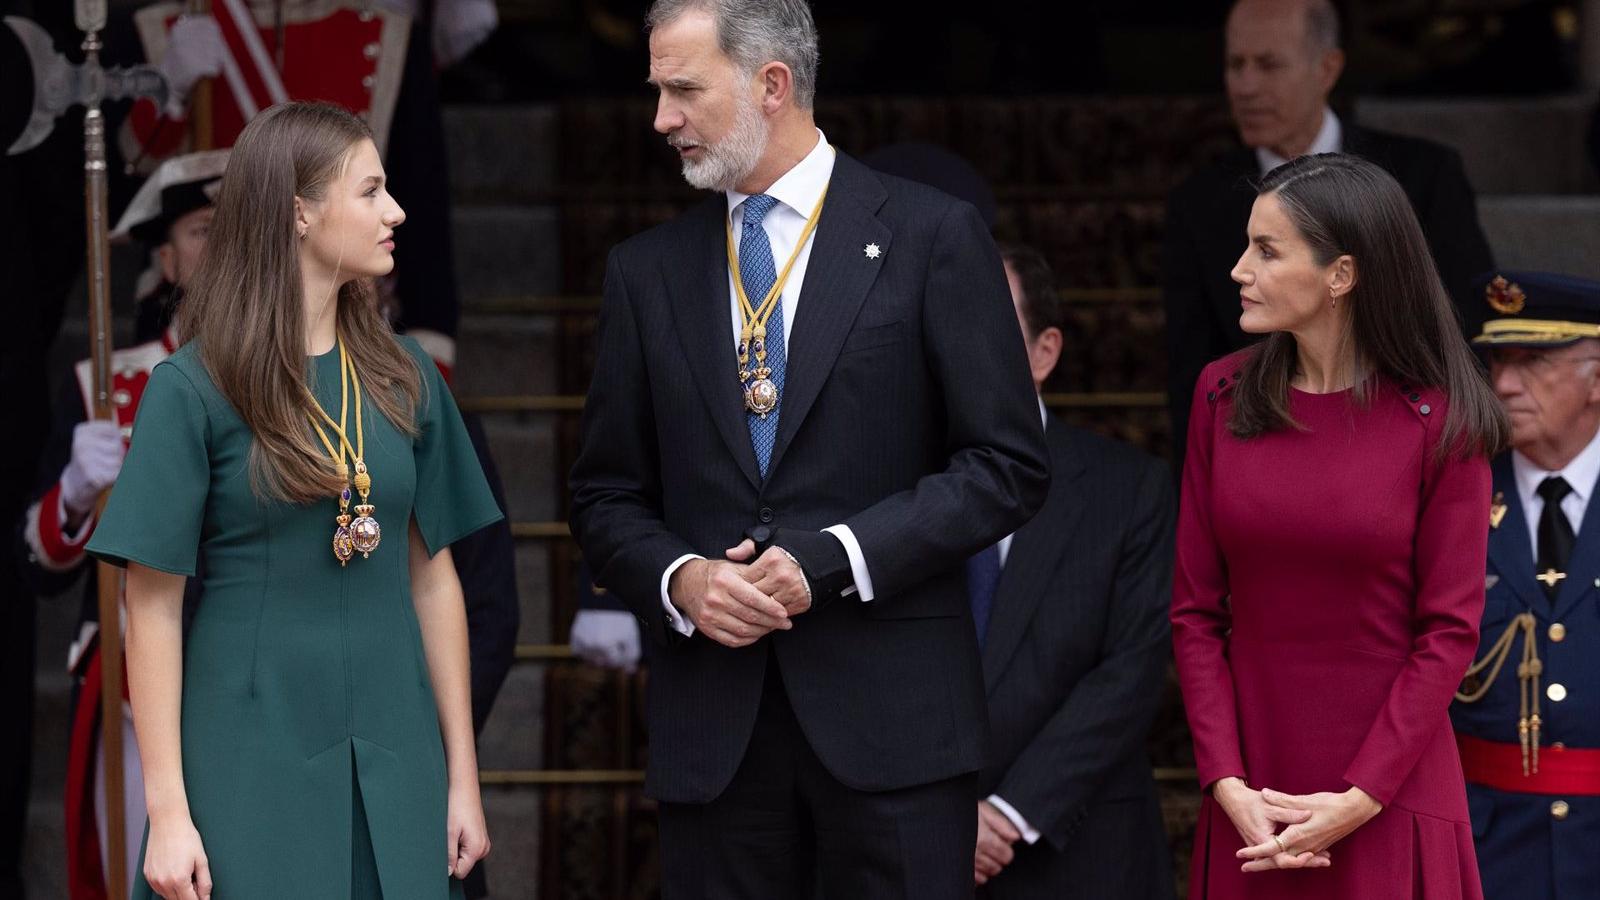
[(858, 563), (680, 622), (1029, 835)]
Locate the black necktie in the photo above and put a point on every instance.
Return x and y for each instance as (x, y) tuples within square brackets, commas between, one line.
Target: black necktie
[(1555, 535)]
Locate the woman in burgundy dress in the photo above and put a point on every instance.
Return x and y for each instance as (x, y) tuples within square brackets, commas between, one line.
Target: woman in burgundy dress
[(1331, 538)]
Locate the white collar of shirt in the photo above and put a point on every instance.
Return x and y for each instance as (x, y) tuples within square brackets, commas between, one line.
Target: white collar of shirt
[(798, 189), (1329, 139), (1582, 474), (797, 193)]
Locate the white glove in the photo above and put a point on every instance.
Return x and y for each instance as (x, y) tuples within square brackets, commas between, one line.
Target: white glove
[(96, 459), (606, 637), (195, 50)]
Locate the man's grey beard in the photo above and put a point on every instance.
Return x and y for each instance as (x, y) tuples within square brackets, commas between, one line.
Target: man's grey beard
[(731, 160)]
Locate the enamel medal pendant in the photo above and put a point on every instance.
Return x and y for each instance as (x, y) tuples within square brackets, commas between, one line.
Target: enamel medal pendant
[(364, 531), (343, 545)]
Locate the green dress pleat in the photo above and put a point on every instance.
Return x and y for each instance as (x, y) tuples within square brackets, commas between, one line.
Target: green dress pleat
[(312, 755)]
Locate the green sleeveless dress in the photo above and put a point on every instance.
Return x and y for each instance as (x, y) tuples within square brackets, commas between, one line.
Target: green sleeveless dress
[(312, 756)]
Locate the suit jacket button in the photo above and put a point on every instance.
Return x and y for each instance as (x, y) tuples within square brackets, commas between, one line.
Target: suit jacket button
[(1424, 409), (1556, 692), (1558, 632), (765, 514), (1559, 810)]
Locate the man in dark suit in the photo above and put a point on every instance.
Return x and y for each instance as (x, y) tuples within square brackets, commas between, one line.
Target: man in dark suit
[(1283, 59), (1072, 617), (816, 710)]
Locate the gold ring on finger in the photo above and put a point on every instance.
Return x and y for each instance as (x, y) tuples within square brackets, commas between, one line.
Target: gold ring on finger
[(1282, 847)]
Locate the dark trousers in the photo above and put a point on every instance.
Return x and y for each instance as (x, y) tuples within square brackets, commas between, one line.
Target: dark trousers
[(785, 829)]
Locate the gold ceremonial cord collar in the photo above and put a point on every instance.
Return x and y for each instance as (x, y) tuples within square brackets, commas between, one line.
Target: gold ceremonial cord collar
[(756, 317), (347, 374), (1534, 331)]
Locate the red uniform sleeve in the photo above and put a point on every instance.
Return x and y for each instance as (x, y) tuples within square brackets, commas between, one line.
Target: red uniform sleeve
[(1452, 538), (1200, 617), (45, 533)]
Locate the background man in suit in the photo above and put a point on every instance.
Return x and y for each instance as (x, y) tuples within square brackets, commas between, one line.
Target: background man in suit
[(1527, 717), (1283, 60), (1072, 613), (816, 711)]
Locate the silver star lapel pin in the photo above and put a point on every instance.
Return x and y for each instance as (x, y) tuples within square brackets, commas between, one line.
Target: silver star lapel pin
[(872, 251)]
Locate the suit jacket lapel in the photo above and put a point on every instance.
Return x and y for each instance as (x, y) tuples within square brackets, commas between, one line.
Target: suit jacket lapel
[(1509, 548), (838, 276), (1036, 551), (1583, 569), (698, 284)]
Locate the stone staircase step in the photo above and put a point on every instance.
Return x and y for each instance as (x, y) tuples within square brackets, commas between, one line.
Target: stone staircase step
[(1514, 145), (1552, 233), (524, 450), (501, 153), (511, 737), (506, 251), (514, 820), (506, 354), (533, 592)]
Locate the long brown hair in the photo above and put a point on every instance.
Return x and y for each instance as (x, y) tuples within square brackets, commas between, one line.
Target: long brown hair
[(246, 309), (1401, 323)]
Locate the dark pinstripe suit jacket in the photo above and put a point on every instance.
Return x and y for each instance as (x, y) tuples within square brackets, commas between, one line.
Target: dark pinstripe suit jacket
[(907, 415), (1075, 665)]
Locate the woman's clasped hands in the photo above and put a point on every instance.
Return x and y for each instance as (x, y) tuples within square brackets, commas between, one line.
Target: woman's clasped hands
[(1311, 823)]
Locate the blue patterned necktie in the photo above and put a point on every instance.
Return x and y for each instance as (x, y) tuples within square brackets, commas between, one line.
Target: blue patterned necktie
[(757, 272), (983, 577)]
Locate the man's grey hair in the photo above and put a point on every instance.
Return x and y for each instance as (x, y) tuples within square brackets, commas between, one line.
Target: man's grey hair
[(755, 32), (1322, 25)]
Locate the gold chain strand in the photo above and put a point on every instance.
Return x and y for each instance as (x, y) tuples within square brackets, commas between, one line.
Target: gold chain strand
[(755, 318)]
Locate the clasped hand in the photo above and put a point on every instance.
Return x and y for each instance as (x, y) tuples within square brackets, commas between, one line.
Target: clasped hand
[(1312, 823), (735, 601)]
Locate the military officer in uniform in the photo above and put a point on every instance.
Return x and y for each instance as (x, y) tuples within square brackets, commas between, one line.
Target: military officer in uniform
[(1527, 716)]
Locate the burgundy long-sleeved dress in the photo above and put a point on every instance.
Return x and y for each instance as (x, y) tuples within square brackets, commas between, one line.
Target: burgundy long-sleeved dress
[(1326, 599)]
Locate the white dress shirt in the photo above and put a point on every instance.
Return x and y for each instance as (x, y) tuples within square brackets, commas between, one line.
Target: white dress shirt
[(1329, 139), (1581, 473), (797, 193)]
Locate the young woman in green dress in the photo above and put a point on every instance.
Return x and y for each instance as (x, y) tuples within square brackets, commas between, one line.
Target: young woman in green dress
[(311, 734)]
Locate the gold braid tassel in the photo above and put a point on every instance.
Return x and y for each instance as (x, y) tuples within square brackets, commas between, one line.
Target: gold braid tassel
[(1528, 672)]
